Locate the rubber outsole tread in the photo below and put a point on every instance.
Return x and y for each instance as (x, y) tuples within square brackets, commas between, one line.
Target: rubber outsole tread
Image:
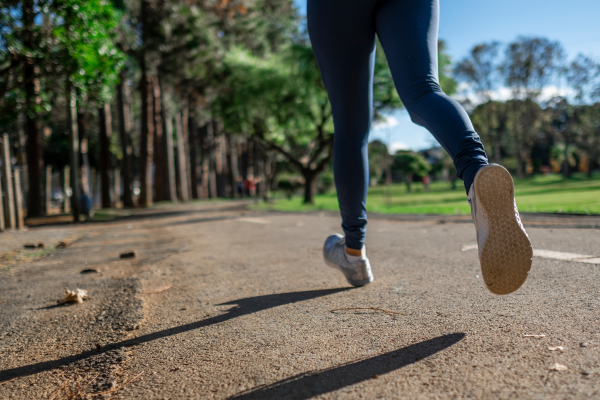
[(506, 255)]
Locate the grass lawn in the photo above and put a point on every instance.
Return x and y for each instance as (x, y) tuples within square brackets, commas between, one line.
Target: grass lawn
[(550, 193)]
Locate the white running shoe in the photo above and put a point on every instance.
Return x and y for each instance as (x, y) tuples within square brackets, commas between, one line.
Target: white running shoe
[(505, 251), (357, 273)]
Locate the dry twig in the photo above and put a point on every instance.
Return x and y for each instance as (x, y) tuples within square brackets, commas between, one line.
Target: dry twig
[(158, 290), (368, 308), (59, 390)]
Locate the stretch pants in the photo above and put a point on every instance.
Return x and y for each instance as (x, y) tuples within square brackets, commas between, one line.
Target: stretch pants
[(342, 33)]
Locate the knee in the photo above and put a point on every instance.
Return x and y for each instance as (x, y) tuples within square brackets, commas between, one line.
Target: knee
[(413, 93)]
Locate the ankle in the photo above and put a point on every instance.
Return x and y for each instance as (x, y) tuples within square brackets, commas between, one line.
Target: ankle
[(354, 252), (353, 255)]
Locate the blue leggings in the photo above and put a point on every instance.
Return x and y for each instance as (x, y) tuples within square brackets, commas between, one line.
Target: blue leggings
[(342, 33)]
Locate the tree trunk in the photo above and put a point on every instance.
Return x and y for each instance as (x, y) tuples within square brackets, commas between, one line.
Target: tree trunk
[(185, 114), (497, 153), (35, 160), (519, 156), (566, 167), (408, 180), (205, 147), (181, 158), (170, 158), (86, 173), (269, 175), (220, 161), (203, 185), (125, 125), (48, 187), (9, 204), (66, 189), (22, 158), (32, 123), (192, 141), (73, 152), (309, 184), (105, 134), (161, 176), (233, 175), (212, 157), (147, 139), (117, 187)]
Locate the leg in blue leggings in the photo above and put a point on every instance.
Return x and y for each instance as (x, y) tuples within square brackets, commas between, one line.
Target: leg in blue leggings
[(342, 33)]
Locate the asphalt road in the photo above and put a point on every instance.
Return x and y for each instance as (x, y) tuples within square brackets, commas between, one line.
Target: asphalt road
[(225, 303)]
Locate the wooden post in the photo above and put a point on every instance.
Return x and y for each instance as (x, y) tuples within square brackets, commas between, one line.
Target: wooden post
[(9, 205), (117, 186), (48, 188), (67, 189), (183, 180), (18, 199)]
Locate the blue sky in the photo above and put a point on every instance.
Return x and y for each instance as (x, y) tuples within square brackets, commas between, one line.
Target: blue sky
[(464, 23)]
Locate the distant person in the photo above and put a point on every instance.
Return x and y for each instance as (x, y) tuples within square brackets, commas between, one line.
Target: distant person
[(250, 186), (426, 182), (343, 33)]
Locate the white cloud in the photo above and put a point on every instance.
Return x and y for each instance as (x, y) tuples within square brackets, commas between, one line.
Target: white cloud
[(389, 122), (505, 93), (395, 146)]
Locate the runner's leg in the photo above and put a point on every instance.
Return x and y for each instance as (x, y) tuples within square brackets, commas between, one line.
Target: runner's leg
[(342, 33), (408, 31)]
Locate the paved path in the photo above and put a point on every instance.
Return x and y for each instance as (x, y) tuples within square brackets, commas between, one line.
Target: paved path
[(225, 303)]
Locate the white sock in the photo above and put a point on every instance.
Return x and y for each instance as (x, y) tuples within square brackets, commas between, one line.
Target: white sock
[(363, 256)]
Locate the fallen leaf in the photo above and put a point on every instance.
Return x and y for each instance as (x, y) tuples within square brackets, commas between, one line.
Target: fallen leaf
[(75, 296), (556, 348), (559, 367)]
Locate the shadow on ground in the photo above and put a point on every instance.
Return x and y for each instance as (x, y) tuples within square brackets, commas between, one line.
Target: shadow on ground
[(304, 386), (243, 307)]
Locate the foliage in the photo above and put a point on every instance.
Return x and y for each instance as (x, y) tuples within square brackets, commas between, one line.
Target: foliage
[(379, 159), (408, 164), (551, 193)]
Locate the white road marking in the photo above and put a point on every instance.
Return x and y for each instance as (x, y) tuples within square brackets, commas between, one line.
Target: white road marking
[(551, 254), (471, 246), (255, 220)]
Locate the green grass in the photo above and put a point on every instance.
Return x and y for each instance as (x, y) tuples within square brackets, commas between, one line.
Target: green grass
[(551, 193)]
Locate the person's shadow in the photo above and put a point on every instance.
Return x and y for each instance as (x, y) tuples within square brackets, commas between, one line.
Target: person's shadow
[(311, 384), (244, 306)]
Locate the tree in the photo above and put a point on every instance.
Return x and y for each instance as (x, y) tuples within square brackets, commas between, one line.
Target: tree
[(564, 120), (480, 70), (409, 164), (379, 160), (529, 66), (589, 135), (490, 121), (86, 35)]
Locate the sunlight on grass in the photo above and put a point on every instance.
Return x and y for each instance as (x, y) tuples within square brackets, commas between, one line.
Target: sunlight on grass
[(552, 193)]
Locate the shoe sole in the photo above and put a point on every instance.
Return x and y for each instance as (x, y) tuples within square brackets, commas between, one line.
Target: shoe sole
[(352, 282), (507, 253)]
